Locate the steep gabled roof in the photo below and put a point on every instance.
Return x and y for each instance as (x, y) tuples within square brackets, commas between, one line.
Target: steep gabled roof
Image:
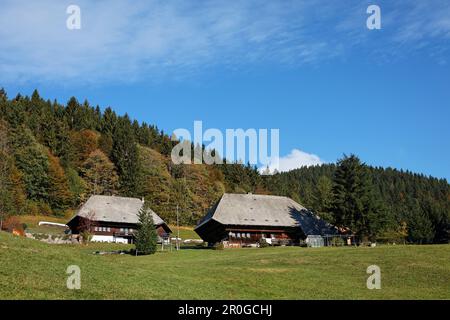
[(265, 210), (114, 209)]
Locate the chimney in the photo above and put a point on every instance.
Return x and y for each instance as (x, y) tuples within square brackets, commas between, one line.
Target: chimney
[(143, 200)]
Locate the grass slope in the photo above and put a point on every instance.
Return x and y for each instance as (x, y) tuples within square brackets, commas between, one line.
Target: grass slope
[(33, 270), (33, 226), (185, 232)]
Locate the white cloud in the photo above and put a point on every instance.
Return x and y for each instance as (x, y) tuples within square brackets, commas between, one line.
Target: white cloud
[(294, 160), (134, 40)]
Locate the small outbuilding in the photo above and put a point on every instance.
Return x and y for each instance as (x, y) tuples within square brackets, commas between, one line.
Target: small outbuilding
[(113, 219), (246, 219), (314, 241)]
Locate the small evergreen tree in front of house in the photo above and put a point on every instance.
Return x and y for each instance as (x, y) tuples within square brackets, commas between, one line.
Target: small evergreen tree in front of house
[(145, 236)]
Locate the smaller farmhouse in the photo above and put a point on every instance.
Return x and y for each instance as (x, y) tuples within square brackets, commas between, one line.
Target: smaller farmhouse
[(244, 219), (112, 219)]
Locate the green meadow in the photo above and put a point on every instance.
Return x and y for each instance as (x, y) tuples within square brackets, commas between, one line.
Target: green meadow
[(30, 269)]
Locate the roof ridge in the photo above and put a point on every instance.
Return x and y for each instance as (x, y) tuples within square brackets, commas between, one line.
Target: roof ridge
[(255, 194), (116, 197)]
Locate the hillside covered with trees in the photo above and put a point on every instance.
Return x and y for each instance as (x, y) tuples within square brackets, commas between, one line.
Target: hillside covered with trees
[(54, 156), (391, 204)]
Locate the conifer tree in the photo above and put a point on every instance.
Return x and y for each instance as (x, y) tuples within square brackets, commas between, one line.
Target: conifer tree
[(354, 203), (145, 236), (420, 228), (59, 195), (31, 158), (322, 198), (126, 158), (12, 195)]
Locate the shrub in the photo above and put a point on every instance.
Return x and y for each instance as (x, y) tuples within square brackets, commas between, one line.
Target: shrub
[(45, 209), (86, 236), (219, 246), (263, 243), (12, 223), (392, 236), (32, 208), (338, 242)]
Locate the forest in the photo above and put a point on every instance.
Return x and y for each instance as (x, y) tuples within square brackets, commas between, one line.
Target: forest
[(53, 156)]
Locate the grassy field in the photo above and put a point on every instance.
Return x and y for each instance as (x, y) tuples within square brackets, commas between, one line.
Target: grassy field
[(33, 226), (185, 232), (33, 270)]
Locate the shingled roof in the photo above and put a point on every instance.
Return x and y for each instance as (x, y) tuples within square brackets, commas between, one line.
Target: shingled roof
[(266, 210), (115, 209)]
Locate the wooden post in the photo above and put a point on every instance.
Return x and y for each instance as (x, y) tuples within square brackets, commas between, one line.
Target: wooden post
[(178, 231)]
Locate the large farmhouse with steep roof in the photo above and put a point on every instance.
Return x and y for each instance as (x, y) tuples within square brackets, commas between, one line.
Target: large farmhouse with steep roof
[(112, 219), (245, 219)]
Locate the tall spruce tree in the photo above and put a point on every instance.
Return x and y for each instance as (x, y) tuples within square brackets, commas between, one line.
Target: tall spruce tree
[(354, 203), (145, 236), (31, 158), (322, 198), (420, 228), (12, 194), (126, 158)]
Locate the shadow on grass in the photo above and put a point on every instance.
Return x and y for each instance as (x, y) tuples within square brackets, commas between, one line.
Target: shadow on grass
[(196, 248)]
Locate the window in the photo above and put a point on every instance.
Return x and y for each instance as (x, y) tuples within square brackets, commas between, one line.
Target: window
[(121, 230), (248, 235), (108, 229), (96, 228), (238, 235)]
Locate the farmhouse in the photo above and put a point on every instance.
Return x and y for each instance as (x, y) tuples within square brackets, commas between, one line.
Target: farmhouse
[(244, 219), (112, 219)]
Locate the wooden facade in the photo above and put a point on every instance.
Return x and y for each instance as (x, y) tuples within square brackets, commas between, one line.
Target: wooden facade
[(113, 219), (115, 230), (240, 220), (241, 236)]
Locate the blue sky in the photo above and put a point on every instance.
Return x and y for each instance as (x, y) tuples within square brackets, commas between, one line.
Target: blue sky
[(310, 68)]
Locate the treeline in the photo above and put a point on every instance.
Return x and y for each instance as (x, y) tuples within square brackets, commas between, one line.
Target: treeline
[(54, 156), (386, 204)]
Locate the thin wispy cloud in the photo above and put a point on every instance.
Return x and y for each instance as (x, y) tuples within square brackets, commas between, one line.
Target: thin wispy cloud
[(149, 40)]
